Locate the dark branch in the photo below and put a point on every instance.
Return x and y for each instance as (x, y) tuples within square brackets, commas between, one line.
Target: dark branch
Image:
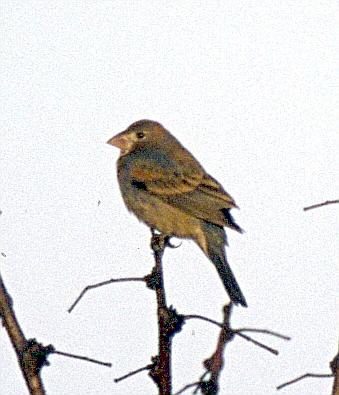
[(161, 371), (304, 376), (32, 356), (66, 354), (130, 374), (215, 363), (261, 345), (240, 331), (264, 331), (187, 387), (334, 365), (202, 318), (321, 204), (101, 284)]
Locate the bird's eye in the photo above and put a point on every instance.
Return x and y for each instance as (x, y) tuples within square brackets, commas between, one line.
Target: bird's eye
[(140, 135)]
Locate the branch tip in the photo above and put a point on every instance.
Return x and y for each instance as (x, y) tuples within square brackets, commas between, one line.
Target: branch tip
[(304, 376), (101, 284)]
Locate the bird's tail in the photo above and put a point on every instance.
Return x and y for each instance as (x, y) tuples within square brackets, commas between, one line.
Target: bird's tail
[(216, 239)]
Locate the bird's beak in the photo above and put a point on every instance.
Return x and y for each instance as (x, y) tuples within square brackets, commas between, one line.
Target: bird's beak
[(120, 141)]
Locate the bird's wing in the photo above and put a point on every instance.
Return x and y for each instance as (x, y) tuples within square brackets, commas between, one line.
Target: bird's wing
[(216, 192), (208, 201), (184, 184), (165, 177)]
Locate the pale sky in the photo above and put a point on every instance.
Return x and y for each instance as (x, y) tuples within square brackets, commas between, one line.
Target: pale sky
[(251, 89)]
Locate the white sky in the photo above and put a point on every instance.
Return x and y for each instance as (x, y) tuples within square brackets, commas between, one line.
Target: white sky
[(250, 88)]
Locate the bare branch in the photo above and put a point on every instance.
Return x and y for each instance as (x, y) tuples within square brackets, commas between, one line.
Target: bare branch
[(130, 374), (264, 331), (321, 204), (31, 355), (240, 331), (261, 345), (215, 363), (66, 354), (334, 365), (187, 387), (161, 371), (200, 317), (101, 284), (304, 376)]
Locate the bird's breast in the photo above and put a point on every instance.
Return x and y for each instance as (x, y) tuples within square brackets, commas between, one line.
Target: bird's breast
[(154, 211)]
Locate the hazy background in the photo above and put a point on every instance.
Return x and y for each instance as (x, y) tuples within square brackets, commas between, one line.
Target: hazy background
[(250, 87)]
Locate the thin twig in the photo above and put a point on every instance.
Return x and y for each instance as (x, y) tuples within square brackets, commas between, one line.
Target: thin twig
[(215, 363), (261, 345), (240, 330), (202, 318), (304, 376), (321, 204), (66, 354), (125, 376), (264, 331), (101, 284), (187, 387)]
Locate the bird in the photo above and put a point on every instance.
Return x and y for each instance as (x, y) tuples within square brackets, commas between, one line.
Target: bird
[(166, 187)]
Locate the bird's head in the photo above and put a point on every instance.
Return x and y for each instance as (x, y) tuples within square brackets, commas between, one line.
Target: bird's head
[(140, 134)]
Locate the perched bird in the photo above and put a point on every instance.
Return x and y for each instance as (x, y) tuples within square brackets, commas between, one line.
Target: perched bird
[(167, 188)]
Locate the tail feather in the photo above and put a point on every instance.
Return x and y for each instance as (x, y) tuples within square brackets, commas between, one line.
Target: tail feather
[(216, 238), (228, 279), (230, 221)]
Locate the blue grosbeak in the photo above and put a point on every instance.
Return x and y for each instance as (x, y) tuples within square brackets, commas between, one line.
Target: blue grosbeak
[(167, 188)]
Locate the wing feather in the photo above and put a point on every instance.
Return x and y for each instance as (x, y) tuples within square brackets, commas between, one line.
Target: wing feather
[(165, 179), (184, 185)]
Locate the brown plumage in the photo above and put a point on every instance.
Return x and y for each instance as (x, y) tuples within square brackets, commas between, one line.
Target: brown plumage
[(167, 188)]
